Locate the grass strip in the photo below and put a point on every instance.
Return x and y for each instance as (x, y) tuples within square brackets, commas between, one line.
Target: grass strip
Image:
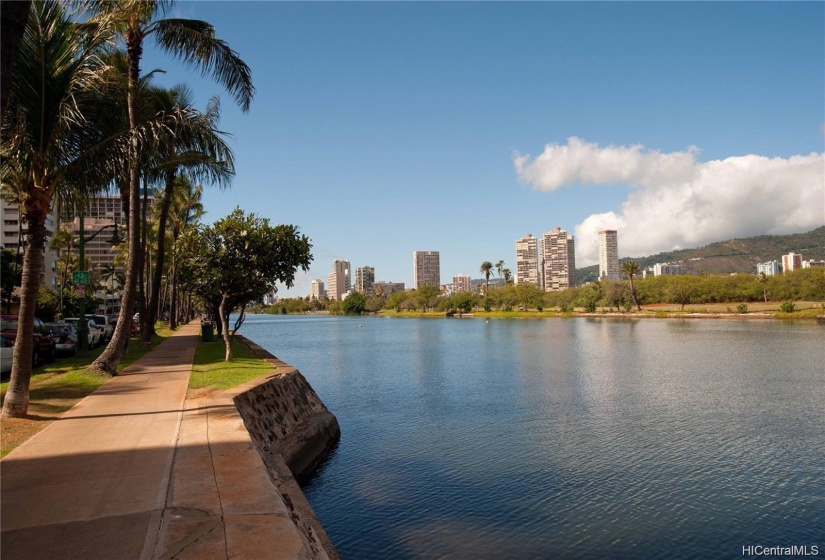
[(211, 373)]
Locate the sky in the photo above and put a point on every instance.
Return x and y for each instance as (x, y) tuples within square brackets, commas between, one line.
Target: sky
[(383, 128)]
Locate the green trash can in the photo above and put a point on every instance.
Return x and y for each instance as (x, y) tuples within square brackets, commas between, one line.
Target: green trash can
[(206, 332)]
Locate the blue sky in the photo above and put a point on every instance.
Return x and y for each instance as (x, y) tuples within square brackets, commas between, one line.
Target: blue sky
[(383, 128)]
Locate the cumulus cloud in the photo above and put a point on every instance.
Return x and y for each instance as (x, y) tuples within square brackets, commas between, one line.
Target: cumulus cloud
[(679, 202)]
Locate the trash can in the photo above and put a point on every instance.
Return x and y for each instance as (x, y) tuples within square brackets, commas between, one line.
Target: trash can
[(206, 332)]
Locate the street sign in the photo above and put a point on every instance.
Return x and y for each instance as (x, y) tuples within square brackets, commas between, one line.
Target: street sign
[(80, 277)]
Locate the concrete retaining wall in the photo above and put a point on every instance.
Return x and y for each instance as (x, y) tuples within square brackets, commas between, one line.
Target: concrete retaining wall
[(293, 432)]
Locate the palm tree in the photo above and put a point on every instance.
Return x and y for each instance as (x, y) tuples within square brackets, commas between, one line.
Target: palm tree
[(630, 268), (485, 269), (186, 210), (507, 275), (198, 148), (499, 267), (192, 41), (762, 278), (46, 144)]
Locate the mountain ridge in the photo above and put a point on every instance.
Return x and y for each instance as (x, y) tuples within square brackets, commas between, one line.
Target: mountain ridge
[(740, 254)]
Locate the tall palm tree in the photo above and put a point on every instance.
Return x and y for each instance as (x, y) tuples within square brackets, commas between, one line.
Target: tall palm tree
[(47, 141), (485, 269), (507, 275), (196, 148), (499, 267), (186, 210), (192, 41), (629, 268), (762, 278)]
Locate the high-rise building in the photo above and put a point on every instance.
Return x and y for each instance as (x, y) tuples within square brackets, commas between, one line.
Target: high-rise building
[(426, 269), (462, 283), (666, 269), (528, 261), (364, 279), (609, 255), (316, 289), (770, 268), (791, 262), (14, 232), (559, 260), (338, 281)]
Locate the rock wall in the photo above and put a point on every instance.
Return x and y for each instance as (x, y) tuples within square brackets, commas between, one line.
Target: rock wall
[(293, 432)]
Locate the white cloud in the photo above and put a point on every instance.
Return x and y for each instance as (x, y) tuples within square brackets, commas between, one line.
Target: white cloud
[(678, 202)]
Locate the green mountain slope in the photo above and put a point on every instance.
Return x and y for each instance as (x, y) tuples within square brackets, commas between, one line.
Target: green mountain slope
[(734, 255)]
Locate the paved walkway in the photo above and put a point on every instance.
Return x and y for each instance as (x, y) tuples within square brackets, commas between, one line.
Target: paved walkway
[(94, 483)]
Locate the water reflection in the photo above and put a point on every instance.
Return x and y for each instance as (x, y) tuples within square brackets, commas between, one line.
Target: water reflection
[(583, 438)]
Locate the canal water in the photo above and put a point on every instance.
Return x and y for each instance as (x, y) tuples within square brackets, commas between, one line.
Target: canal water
[(564, 438)]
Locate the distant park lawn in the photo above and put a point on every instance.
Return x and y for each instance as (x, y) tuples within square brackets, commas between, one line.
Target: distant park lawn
[(56, 387), (211, 373)]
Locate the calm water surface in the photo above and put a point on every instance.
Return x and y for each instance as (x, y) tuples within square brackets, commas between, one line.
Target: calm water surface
[(564, 438)]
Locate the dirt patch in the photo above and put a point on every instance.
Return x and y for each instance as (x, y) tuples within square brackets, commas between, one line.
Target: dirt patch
[(41, 413)]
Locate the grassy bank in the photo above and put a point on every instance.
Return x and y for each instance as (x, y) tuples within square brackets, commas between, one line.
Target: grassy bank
[(804, 310), (211, 373), (56, 387)]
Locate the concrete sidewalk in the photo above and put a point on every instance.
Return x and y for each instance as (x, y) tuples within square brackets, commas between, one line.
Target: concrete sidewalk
[(94, 483)]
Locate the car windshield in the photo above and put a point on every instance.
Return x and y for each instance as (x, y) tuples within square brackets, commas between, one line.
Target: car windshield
[(59, 328)]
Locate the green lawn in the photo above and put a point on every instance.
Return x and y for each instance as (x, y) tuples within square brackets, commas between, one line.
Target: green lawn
[(211, 372)]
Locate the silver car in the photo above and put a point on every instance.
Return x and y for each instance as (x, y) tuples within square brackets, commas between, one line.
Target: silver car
[(94, 337)]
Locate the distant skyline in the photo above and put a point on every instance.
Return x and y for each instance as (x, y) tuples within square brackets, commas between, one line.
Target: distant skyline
[(385, 128)]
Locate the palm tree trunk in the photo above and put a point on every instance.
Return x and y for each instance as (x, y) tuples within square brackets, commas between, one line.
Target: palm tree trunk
[(165, 204), (633, 294), (16, 402), (110, 358)]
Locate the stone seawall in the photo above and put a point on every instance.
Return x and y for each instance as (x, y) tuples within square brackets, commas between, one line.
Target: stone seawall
[(293, 432)]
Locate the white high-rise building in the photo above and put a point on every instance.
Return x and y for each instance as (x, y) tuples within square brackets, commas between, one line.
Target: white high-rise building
[(426, 269), (14, 233), (559, 260), (770, 268), (609, 255), (338, 281), (364, 279), (462, 283), (316, 289), (528, 262)]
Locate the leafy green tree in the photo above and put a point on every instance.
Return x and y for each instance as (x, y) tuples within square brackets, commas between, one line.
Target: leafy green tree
[(681, 293), (616, 294), (485, 269), (396, 300), (238, 260), (464, 301), (425, 296), (194, 43), (631, 268), (354, 304)]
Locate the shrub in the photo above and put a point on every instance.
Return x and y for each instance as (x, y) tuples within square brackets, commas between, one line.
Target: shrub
[(742, 308), (787, 307), (590, 307)]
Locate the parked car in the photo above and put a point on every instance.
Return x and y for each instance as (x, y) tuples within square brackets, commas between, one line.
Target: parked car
[(94, 334), (43, 347), (107, 330), (6, 354), (65, 337)]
